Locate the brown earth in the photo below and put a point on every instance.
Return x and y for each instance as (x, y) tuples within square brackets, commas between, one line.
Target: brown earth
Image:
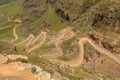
[(104, 65), (79, 60), (13, 71)]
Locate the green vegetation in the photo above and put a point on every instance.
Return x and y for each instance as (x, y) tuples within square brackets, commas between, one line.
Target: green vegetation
[(8, 11), (47, 19), (45, 48), (5, 30), (22, 60), (64, 58), (78, 74), (55, 20), (6, 33), (2, 2), (37, 15), (20, 47), (5, 46), (67, 43), (11, 9), (83, 74)]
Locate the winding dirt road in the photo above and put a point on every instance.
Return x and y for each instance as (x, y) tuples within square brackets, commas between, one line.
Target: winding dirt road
[(36, 39), (27, 39), (31, 40), (57, 40), (15, 33), (43, 40), (64, 34), (78, 62)]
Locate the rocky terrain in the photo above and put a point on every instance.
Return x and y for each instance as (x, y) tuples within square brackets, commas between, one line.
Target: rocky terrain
[(19, 70), (59, 40)]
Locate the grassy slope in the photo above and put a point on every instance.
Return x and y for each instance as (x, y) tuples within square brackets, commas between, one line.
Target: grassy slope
[(9, 9), (2, 2), (48, 20), (54, 20)]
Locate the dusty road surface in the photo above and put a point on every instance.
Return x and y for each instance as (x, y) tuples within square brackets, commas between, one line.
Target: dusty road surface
[(15, 33), (13, 71), (43, 40), (37, 38), (27, 39), (57, 40), (79, 60), (64, 34)]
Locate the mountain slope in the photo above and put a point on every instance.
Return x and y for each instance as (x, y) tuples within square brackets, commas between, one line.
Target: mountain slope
[(48, 33)]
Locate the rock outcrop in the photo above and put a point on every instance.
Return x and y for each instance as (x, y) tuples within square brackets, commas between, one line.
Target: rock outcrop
[(21, 71), (3, 59)]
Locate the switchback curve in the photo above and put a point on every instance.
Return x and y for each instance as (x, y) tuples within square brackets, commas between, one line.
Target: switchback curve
[(78, 62), (43, 39)]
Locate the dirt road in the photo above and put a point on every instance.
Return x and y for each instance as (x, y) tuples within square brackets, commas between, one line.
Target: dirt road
[(43, 40), (8, 19), (79, 60), (15, 33), (27, 39), (57, 40), (36, 39)]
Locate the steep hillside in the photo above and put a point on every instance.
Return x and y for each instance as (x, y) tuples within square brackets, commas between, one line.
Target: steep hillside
[(70, 39), (57, 14)]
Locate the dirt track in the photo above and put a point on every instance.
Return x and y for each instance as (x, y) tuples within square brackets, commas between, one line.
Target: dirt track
[(27, 39), (15, 33), (8, 19), (78, 62), (43, 39), (66, 34), (31, 40), (36, 39), (57, 40)]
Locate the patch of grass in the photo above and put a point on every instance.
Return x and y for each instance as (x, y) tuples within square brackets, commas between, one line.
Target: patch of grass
[(2, 20), (19, 47), (78, 74), (83, 29), (22, 60), (5, 30), (4, 47), (64, 58), (11, 9), (54, 20), (66, 44), (45, 48), (6, 33), (2, 2), (48, 20), (83, 74)]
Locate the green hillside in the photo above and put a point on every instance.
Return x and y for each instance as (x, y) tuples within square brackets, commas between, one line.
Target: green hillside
[(2, 2), (53, 28)]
